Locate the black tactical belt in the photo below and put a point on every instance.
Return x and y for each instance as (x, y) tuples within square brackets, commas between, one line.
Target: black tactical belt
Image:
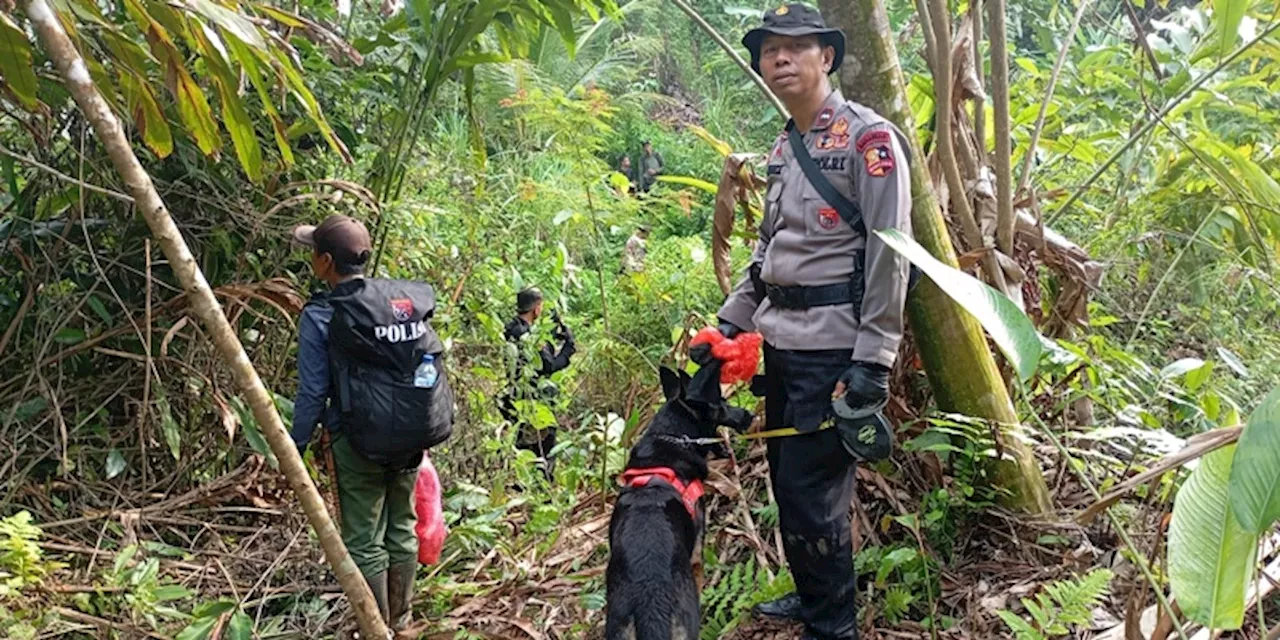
[(805, 297)]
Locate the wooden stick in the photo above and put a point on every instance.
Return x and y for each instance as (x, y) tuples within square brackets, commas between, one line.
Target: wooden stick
[(205, 306)]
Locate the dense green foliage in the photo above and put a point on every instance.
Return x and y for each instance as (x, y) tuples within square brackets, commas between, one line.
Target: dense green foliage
[(481, 148)]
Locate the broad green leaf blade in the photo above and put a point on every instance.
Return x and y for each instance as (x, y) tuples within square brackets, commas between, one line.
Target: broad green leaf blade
[(240, 627), (229, 20), (1255, 475), (147, 115), (1009, 327), (1227, 15), (299, 89), (193, 109), (234, 116), (15, 63), (1210, 556), (169, 426), (249, 63), (1180, 368), (198, 630)]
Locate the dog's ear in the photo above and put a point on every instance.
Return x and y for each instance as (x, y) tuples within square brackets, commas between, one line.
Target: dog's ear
[(672, 387)]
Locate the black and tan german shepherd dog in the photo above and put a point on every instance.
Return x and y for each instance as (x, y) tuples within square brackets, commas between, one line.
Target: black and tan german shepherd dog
[(656, 529)]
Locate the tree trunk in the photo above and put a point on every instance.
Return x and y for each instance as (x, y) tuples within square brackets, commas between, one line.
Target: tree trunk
[(954, 349), (76, 78)]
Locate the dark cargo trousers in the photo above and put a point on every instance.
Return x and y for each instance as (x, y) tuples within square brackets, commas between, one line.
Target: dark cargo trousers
[(377, 510), (812, 477)]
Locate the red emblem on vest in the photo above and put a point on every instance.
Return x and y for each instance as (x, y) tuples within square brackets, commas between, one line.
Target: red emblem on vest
[(402, 309), (828, 218)]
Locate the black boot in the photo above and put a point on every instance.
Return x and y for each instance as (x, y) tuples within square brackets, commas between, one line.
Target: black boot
[(378, 585), (785, 608), (400, 594)]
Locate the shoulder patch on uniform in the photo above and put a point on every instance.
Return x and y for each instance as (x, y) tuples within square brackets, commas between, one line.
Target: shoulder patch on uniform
[(872, 138), (878, 158), (841, 127), (824, 117)]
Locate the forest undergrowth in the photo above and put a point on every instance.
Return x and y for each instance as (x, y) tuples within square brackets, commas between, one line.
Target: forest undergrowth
[(139, 496)]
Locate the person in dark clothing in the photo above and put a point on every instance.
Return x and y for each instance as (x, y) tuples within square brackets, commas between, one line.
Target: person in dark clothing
[(530, 380), (651, 165)]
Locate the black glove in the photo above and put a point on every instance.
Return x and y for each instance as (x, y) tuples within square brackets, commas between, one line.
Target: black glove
[(866, 386), (728, 329)]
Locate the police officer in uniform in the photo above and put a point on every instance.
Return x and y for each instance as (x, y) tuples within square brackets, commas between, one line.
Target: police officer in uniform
[(828, 299)]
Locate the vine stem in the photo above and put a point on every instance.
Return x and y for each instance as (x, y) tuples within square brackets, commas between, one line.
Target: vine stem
[(1156, 588), (1151, 124)]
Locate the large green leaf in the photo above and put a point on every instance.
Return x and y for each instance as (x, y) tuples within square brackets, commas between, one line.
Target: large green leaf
[(234, 115), (168, 425), (230, 21), (1210, 556), (1227, 15), (1255, 474), (15, 63), (1009, 327), (249, 63), (193, 106), (690, 182), (299, 89)]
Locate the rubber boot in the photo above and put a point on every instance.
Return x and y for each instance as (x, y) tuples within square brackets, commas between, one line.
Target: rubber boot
[(785, 608), (400, 594), (378, 585)]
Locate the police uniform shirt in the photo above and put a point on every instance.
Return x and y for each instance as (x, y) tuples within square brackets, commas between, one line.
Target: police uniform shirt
[(804, 241)]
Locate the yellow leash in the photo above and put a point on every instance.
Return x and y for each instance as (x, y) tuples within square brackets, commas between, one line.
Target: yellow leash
[(784, 432)]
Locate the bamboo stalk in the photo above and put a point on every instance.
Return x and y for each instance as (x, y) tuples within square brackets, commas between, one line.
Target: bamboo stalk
[(939, 20), (979, 103), (204, 305), (1003, 160)]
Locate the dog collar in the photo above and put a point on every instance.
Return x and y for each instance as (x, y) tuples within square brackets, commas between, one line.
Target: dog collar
[(689, 493)]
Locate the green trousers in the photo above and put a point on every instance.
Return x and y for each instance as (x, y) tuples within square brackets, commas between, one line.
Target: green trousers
[(377, 510)]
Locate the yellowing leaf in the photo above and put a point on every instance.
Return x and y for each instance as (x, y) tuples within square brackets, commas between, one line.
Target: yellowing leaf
[(236, 24), (249, 63), (234, 116), (15, 63), (147, 115)]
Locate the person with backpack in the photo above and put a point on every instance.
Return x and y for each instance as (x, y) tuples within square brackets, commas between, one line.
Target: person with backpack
[(827, 295), (370, 370)]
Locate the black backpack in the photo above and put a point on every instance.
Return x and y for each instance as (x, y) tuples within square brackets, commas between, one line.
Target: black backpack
[(379, 333)]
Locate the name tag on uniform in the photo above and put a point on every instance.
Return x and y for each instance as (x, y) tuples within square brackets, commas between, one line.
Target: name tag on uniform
[(775, 169), (831, 163)]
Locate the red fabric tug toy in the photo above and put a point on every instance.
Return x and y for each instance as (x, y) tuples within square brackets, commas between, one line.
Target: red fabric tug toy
[(427, 504), (740, 355)]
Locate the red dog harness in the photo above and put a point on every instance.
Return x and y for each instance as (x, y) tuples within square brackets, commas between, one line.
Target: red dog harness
[(689, 493)]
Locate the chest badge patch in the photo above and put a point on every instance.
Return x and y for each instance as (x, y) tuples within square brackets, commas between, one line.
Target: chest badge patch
[(837, 137), (828, 218), (401, 309)]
